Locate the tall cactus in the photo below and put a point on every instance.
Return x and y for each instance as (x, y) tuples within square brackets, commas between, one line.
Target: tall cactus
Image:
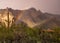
[(8, 17)]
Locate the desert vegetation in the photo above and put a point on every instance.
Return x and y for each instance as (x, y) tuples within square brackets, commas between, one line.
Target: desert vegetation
[(21, 33)]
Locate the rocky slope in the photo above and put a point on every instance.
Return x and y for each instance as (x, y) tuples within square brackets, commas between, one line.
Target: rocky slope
[(34, 18)]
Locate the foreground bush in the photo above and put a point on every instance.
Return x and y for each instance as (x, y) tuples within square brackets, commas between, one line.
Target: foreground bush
[(22, 34), (19, 34)]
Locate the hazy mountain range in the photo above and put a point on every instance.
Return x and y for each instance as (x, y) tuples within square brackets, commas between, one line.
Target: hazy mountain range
[(35, 18)]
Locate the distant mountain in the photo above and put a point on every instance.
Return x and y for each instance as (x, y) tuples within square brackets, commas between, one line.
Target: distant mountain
[(34, 18)]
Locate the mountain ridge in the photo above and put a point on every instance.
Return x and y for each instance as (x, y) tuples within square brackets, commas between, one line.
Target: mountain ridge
[(33, 17)]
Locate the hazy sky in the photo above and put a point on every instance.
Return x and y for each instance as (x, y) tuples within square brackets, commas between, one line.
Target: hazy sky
[(51, 6)]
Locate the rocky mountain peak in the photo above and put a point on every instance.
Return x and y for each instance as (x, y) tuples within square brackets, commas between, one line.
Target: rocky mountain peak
[(31, 17)]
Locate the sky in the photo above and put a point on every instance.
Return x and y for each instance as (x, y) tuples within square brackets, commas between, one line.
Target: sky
[(50, 6)]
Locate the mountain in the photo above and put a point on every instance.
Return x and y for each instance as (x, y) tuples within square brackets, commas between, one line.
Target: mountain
[(34, 18)]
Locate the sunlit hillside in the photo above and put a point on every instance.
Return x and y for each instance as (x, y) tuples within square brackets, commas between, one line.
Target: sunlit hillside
[(29, 26)]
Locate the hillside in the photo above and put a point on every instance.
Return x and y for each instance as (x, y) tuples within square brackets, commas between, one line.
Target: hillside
[(29, 26), (34, 18)]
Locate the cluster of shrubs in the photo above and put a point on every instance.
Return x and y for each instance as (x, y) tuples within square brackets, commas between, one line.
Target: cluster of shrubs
[(23, 34)]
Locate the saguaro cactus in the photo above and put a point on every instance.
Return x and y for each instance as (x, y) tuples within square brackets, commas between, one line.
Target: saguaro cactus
[(8, 17)]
